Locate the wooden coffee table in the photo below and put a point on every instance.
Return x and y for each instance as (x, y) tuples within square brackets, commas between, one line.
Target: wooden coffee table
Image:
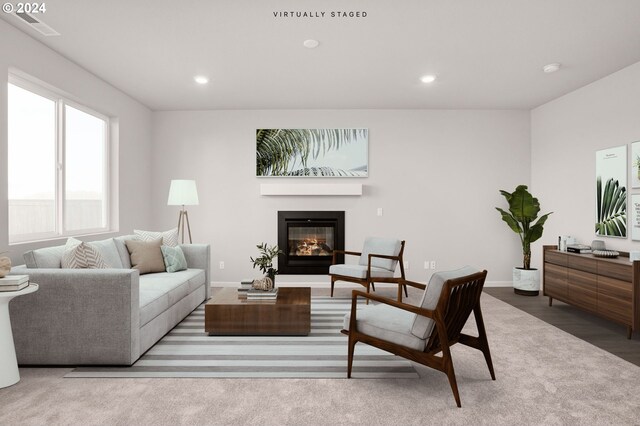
[(289, 315)]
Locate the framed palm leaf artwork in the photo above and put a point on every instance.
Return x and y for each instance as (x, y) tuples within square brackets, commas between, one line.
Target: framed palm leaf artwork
[(611, 192), (312, 152)]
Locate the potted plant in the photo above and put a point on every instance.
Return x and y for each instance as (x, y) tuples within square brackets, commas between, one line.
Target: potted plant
[(265, 260), (523, 211)]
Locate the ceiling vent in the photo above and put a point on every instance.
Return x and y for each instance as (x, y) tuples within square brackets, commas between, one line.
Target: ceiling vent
[(37, 25)]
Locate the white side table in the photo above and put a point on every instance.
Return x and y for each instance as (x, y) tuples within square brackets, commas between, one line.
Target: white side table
[(9, 373)]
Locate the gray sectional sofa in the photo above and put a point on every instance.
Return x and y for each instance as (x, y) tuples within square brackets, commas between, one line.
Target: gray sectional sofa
[(102, 316)]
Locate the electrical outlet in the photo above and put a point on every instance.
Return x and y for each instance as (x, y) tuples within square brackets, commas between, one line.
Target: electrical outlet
[(433, 264), (221, 264), (379, 211), (426, 264), (406, 265)]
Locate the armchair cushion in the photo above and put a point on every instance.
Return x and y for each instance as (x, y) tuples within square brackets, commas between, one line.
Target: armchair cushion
[(359, 271), (423, 326), (386, 246), (387, 323)]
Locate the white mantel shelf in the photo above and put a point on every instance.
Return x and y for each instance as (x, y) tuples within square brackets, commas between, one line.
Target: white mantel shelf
[(310, 189)]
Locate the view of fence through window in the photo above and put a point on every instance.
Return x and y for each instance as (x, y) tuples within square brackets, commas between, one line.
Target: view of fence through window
[(39, 205)]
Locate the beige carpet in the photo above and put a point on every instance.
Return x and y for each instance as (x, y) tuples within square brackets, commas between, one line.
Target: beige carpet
[(544, 376)]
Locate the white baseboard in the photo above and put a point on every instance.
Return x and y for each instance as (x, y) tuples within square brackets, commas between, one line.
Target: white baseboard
[(326, 284)]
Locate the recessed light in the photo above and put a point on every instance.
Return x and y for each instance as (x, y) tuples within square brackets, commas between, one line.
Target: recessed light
[(428, 78), (551, 67), (201, 79), (311, 44)]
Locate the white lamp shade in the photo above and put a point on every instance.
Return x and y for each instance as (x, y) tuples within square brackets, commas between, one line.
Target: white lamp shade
[(183, 193)]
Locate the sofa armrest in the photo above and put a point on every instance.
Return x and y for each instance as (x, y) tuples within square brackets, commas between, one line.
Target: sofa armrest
[(199, 257), (78, 316)]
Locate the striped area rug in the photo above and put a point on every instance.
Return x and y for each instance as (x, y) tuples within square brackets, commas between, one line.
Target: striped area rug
[(187, 351)]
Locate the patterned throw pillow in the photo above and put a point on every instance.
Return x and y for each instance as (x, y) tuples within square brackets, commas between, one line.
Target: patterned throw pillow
[(80, 255), (169, 238), (174, 259)]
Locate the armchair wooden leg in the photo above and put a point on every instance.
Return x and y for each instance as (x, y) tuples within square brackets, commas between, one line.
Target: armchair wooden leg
[(368, 285), (452, 381), (352, 344), (406, 293), (484, 343), (332, 284), (373, 286), (399, 292)]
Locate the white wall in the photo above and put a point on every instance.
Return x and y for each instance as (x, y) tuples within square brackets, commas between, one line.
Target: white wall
[(565, 134), (435, 173), (19, 51)]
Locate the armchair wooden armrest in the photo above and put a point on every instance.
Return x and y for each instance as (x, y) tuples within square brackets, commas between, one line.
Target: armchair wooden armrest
[(414, 284), (351, 253)]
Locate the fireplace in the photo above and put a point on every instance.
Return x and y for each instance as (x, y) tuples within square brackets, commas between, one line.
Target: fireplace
[(307, 239)]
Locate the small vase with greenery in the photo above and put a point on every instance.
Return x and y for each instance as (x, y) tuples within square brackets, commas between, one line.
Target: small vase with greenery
[(523, 211), (265, 260)]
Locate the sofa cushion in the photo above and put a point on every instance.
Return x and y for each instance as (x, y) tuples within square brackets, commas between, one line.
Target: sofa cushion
[(146, 256), (169, 238), (174, 259), (359, 271), (47, 257), (109, 252), (80, 255), (387, 323), (121, 246), (158, 292)]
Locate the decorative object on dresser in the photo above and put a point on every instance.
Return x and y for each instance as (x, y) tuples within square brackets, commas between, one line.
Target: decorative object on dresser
[(420, 333), (183, 192), (377, 264), (523, 211), (265, 261), (606, 253), (606, 287)]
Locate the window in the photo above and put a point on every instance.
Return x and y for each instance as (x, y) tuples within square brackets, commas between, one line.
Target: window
[(58, 170)]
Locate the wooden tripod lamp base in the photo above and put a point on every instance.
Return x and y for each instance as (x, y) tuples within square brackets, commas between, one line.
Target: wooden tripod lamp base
[(183, 193), (182, 219)]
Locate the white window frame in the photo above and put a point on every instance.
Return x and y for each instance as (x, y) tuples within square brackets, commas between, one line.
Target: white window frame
[(60, 196)]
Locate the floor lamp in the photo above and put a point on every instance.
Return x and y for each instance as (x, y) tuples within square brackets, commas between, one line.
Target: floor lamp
[(183, 193)]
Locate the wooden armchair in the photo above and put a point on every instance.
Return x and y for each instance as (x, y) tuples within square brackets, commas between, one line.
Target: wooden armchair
[(420, 333), (378, 261)]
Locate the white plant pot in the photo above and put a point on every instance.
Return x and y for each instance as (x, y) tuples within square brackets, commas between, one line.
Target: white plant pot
[(526, 282)]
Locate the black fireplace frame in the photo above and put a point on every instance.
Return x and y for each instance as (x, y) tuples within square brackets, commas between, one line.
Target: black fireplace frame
[(307, 265)]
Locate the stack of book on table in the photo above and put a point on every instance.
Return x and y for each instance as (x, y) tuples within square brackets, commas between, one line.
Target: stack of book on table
[(578, 248), (263, 295), (14, 282), (245, 286)]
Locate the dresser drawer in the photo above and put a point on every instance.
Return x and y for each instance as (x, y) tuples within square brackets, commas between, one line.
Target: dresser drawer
[(555, 258), (555, 281), (615, 270), (587, 264)]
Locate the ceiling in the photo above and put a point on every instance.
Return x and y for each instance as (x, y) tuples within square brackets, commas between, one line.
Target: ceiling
[(487, 54)]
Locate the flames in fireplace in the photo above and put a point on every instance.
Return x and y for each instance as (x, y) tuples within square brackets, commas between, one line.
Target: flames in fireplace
[(310, 247)]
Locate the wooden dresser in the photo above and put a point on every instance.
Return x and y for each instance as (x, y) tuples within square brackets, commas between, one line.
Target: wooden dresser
[(606, 287)]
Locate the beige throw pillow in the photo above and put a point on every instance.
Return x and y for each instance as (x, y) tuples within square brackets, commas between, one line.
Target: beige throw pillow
[(80, 255), (146, 256), (169, 238)]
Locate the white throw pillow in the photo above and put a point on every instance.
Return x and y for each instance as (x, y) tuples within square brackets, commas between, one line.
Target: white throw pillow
[(169, 238), (80, 255)]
